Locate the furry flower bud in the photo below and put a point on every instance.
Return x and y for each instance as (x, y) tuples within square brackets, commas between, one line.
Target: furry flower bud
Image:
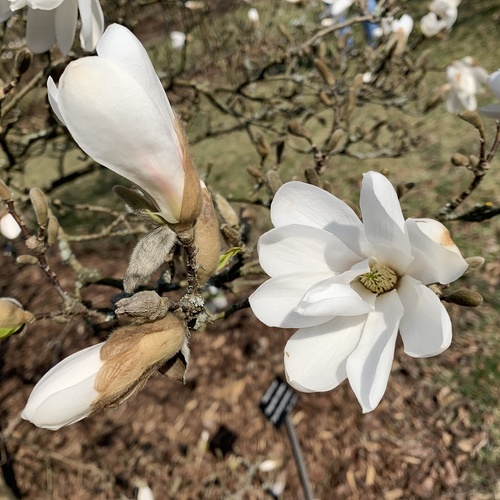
[(206, 239)]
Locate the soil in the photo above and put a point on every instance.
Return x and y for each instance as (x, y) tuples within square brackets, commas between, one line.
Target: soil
[(208, 439)]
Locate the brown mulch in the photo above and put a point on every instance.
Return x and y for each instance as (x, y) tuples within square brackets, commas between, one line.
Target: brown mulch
[(423, 441)]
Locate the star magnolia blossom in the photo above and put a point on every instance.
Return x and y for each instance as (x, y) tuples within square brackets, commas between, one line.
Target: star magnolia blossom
[(351, 286), (54, 22), (465, 78), (442, 17), (335, 11), (116, 110), (493, 110), (64, 395)]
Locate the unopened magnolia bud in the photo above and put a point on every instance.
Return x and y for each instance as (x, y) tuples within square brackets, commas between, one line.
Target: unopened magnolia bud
[(52, 230), (262, 147), (474, 119), (13, 317), (131, 355), (312, 177), (273, 181), (5, 193), (475, 262), (40, 206), (147, 305), (23, 61), (206, 239), (465, 297), (9, 226), (324, 72), (26, 260), (474, 161), (322, 49), (148, 255), (459, 160), (295, 128), (191, 198), (226, 210), (255, 173), (338, 136)]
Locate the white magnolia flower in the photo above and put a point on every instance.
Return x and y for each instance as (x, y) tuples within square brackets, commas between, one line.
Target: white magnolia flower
[(64, 395), (117, 111), (178, 39), (442, 16), (335, 11), (493, 110), (403, 25), (9, 227), (465, 79), (351, 286), (54, 22)]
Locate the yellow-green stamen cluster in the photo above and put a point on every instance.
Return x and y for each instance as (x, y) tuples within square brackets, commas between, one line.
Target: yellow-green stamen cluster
[(380, 279)]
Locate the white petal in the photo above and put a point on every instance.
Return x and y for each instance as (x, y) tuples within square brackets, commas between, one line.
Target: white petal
[(9, 227), (494, 83), (340, 7), (332, 299), (40, 30), (491, 111), (92, 19), (66, 16), (178, 39), (453, 104), (17, 4), (315, 358), (296, 248), (369, 366), (300, 203), (53, 95), (430, 25), (120, 46), (426, 326), (437, 258), (115, 121), (384, 223), (44, 4), (406, 24), (65, 393), (274, 301)]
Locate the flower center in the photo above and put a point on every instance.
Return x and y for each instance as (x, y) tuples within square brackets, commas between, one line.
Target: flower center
[(380, 279)]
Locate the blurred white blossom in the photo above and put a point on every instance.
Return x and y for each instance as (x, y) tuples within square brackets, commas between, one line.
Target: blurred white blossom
[(53, 22), (178, 39), (9, 227), (493, 110), (335, 11), (253, 16), (465, 78), (442, 16), (117, 111), (64, 395), (350, 286)]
